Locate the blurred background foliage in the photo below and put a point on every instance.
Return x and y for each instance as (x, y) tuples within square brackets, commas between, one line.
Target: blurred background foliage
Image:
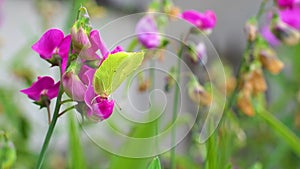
[(240, 142)]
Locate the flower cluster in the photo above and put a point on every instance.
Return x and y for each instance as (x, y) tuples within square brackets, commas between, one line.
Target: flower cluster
[(77, 56)]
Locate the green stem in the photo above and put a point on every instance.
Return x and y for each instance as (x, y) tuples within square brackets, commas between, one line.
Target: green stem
[(175, 107), (286, 134), (66, 101), (52, 124), (50, 129), (152, 77), (65, 111)]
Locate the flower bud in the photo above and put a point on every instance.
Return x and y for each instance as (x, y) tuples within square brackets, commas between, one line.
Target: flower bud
[(197, 93), (270, 61), (198, 53), (287, 34), (80, 39), (73, 85), (80, 31), (251, 30)]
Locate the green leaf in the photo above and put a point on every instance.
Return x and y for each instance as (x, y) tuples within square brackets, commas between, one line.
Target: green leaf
[(155, 164), (114, 70)]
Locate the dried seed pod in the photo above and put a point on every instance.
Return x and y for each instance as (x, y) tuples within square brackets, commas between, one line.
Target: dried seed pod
[(198, 94), (270, 61), (257, 81), (244, 103)]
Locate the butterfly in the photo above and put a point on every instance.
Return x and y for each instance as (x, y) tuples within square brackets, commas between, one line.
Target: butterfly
[(114, 70)]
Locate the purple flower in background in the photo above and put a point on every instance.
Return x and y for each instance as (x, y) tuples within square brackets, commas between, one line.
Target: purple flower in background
[(291, 16), (53, 43), (43, 88), (147, 32), (269, 36), (204, 21)]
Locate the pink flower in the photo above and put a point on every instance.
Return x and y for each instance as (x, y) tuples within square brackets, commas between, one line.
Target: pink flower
[(291, 16), (51, 44), (44, 89), (98, 108), (147, 32), (203, 21), (73, 86), (96, 43), (288, 3), (269, 36)]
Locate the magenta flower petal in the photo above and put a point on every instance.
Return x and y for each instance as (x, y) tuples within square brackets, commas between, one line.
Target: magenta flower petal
[(117, 49), (285, 3), (269, 36), (64, 46), (98, 108), (48, 43), (90, 93), (102, 108), (41, 86), (202, 21), (53, 91), (63, 51), (147, 32), (98, 42), (291, 16)]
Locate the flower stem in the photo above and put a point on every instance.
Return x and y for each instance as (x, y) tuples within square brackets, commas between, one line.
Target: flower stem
[(66, 101), (285, 133), (50, 129), (175, 107), (65, 111), (52, 124), (48, 112)]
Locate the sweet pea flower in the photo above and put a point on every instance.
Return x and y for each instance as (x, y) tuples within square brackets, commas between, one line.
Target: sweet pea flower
[(98, 108), (90, 51), (204, 21), (43, 90), (287, 3), (73, 86), (291, 16), (53, 43), (147, 32)]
